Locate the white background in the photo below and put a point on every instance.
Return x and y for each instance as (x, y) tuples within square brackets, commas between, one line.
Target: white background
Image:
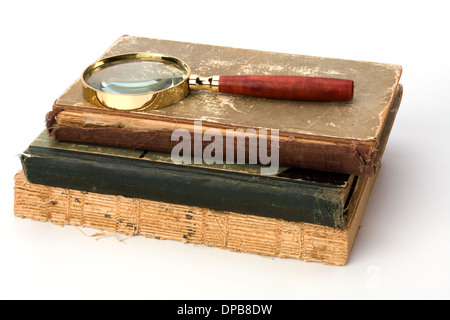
[(403, 248)]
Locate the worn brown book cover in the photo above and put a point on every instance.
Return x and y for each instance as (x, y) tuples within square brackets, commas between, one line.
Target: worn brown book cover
[(347, 137), (233, 231)]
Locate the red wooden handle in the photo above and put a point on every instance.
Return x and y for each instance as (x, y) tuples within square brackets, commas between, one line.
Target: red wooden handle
[(288, 87)]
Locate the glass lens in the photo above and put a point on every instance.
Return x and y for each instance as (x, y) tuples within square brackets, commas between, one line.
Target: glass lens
[(136, 76)]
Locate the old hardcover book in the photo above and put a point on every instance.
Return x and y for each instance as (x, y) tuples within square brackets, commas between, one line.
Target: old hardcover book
[(222, 229), (292, 194), (346, 137)]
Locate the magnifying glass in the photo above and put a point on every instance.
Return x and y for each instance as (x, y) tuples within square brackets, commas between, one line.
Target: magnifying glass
[(138, 81)]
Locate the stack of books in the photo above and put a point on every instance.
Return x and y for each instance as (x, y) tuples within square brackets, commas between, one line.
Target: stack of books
[(301, 193)]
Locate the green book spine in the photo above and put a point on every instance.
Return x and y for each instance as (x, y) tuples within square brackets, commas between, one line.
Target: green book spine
[(292, 194)]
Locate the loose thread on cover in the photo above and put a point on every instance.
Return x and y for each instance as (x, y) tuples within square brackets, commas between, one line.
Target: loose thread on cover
[(137, 225), (220, 228)]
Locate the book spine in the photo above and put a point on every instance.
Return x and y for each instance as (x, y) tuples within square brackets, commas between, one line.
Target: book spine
[(242, 193), (345, 158)]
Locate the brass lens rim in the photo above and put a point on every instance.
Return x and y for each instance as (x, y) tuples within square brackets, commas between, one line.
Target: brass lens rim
[(131, 102)]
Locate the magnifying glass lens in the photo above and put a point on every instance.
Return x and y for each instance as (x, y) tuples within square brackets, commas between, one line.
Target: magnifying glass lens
[(136, 76)]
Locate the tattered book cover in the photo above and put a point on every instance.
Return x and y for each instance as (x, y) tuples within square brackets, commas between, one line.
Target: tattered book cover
[(346, 137)]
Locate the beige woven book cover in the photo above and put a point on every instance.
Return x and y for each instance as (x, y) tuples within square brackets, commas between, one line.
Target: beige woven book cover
[(226, 230)]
